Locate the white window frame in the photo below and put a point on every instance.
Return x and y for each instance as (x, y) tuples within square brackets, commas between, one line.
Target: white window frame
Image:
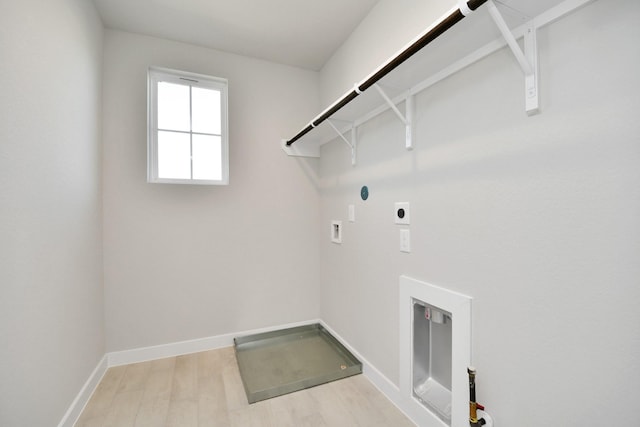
[(157, 75)]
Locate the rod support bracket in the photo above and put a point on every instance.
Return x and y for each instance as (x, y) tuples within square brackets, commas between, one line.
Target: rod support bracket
[(528, 60), (464, 7), (532, 104), (308, 149), (406, 119), (351, 144)]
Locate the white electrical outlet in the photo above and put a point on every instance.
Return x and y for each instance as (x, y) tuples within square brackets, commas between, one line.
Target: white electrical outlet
[(401, 213), (352, 213)]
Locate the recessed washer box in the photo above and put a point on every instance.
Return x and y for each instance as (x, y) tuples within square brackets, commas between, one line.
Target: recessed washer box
[(435, 352), (401, 213)]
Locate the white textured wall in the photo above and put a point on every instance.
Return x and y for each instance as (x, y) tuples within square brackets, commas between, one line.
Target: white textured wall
[(387, 28), (51, 296), (185, 262), (535, 217)]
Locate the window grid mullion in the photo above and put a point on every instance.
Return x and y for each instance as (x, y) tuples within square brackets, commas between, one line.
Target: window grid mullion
[(186, 131)]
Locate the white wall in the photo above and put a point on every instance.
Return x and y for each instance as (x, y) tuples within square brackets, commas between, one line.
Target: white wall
[(51, 296), (387, 28), (185, 262), (536, 218)]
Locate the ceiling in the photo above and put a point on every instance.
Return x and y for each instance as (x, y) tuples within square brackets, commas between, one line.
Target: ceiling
[(302, 33)]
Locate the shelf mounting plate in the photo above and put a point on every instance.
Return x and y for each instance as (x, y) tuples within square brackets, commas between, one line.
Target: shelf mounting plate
[(528, 60)]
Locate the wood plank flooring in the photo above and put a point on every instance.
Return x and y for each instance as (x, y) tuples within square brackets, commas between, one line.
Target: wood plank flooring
[(205, 389)]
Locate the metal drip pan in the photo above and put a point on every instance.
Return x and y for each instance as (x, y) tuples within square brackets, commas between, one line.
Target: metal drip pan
[(280, 362)]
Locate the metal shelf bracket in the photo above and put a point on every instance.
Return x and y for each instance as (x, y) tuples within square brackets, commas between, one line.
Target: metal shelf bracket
[(528, 59), (406, 118), (354, 138)]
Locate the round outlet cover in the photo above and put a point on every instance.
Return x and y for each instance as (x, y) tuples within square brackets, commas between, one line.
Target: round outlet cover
[(364, 192)]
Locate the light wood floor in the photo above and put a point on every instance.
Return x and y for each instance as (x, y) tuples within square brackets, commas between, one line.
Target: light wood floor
[(205, 389)]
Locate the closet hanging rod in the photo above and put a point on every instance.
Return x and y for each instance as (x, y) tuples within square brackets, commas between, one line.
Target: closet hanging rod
[(436, 31)]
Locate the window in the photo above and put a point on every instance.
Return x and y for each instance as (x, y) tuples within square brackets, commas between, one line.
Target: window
[(187, 136)]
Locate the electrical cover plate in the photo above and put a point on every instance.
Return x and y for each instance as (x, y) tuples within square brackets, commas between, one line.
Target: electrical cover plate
[(405, 241), (401, 213)]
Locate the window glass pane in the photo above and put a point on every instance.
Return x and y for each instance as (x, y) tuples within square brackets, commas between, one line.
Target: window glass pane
[(207, 157), (206, 110), (173, 107), (174, 155)]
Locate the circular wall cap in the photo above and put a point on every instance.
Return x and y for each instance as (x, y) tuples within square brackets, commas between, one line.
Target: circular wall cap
[(364, 192)]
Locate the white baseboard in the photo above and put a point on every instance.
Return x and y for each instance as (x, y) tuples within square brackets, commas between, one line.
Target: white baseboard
[(382, 383), (144, 354), (83, 397), (117, 358)]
